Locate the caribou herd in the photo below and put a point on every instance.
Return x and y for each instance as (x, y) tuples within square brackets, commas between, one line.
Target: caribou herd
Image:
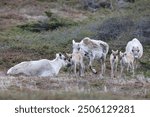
[(85, 50)]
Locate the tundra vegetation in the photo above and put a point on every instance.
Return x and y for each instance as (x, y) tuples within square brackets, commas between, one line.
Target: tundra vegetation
[(38, 29)]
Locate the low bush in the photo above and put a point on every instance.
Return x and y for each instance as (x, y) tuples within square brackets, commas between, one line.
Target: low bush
[(53, 23), (113, 28)]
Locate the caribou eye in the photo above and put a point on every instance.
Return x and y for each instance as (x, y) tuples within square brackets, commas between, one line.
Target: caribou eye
[(138, 50), (132, 50)]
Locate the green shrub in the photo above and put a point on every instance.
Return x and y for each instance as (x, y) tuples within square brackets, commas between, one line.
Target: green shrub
[(54, 22)]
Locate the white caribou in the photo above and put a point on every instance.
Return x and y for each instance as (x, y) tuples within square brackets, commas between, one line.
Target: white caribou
[(114, 62), (41, 68), (135, 47), (126, 61), (94, 49), (76, 59)]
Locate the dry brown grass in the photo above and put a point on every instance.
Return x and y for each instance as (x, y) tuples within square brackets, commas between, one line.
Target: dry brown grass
[(69, 87)]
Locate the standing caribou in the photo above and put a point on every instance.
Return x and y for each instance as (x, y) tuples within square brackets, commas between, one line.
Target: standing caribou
[(94, 49)]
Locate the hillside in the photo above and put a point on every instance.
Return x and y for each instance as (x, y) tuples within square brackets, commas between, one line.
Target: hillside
[(35, 29)]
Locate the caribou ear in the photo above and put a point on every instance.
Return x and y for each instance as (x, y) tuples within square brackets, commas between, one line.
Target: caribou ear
[(67, 54), (112, 51), (117, 51), (120, 53), (71, 56), (57, 55), (73, 42)]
